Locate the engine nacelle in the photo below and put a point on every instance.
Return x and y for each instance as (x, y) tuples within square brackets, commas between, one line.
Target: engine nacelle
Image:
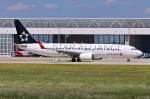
[(89, 56), (86, 56)]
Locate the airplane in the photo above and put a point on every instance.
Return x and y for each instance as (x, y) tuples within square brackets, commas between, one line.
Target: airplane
[(76, 51)]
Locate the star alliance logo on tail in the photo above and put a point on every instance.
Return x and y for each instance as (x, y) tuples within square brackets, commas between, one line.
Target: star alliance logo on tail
[(24, 37)]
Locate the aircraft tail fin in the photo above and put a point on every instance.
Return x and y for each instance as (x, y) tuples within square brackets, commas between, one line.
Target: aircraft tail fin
[(22, 33)]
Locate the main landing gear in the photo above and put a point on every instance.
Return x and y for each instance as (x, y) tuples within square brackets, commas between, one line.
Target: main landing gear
[(74, 59)]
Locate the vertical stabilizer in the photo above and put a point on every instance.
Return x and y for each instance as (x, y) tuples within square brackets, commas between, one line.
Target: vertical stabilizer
[(22, 33)]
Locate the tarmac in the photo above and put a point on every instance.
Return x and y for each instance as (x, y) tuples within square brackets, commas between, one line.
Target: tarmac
[(66, 60)]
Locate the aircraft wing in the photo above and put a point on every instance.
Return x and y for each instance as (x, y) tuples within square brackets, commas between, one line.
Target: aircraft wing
[(68, 52)]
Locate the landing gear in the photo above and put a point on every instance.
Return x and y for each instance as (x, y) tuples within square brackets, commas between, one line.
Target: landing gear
[(128, 60), (73, 59), (76, 59)]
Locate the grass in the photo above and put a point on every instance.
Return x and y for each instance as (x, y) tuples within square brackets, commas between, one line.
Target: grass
[(32, 81)]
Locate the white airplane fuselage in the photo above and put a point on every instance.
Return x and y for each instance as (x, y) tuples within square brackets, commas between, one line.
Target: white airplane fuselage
[(77, 52), (84, 51)]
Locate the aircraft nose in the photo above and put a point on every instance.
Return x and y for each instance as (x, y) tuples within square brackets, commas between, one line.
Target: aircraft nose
[(139, 53)]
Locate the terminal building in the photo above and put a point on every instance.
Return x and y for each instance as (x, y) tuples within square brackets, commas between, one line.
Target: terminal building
[(134, 32)]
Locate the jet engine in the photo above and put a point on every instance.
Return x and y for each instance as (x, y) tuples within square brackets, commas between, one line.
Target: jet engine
[(89, 56), (86, 56)]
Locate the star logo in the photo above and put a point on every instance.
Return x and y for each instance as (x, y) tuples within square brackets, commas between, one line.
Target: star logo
[(24, 37)]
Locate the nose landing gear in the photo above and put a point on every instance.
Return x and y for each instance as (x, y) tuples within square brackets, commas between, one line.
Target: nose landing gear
[(128, 60)]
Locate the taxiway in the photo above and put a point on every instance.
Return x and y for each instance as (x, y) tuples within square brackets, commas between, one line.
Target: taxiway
[(66, 60)]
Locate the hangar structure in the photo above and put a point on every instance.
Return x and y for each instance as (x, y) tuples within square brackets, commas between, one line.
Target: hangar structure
[(129, 31)]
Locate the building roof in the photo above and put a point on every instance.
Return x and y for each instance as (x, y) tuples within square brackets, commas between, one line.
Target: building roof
[(79, 22)]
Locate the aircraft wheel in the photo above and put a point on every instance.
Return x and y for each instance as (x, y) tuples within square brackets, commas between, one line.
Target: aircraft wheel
[(78, 60), (73, 60), (128, 60)]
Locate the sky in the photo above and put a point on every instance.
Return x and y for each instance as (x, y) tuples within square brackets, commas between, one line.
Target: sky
[(75, 8)]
